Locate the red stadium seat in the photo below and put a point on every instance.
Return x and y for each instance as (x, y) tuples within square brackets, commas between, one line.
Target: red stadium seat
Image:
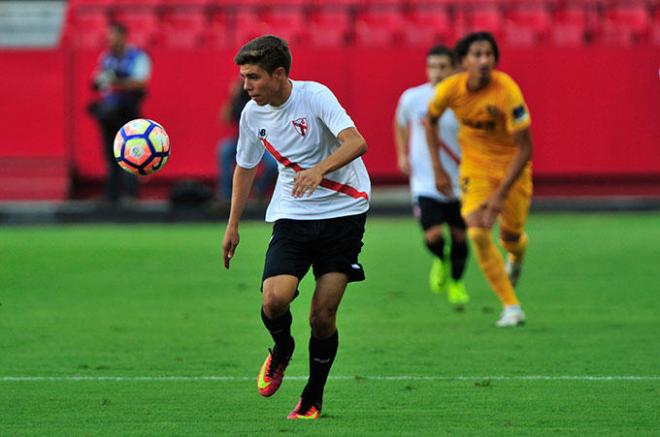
[(574, 17), (217, 34), (142, 24), (633, 17), (330, 17), (427, 26), (487, 18), (625, 25), (183, 27), (247, 25), (187, 4), (568, 35), (532, 17), (328, 26), (379, 26), (654, 34), (516, 36), (288, 23), (86, 25)]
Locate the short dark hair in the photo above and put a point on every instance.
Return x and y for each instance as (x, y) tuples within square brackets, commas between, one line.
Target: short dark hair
[(118, 27), (268, 52), (463, 45), (442, 50)]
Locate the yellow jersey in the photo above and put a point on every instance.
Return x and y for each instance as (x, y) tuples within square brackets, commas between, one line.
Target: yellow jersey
[(487, 118)]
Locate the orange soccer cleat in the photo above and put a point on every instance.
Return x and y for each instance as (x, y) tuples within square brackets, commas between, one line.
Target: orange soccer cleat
[(271, 374), (305, 412)]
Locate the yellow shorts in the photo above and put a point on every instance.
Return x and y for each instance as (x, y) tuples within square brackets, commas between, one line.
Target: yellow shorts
[(476, 188)]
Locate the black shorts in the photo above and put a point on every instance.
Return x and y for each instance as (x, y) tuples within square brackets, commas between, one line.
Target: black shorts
[(431, 212), (328, 246)]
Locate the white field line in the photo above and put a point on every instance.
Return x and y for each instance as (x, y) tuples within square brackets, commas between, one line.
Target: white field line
[(335, 378)]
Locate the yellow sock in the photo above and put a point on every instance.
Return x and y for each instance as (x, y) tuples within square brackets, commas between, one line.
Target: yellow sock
[(516, 249), (491, 262)]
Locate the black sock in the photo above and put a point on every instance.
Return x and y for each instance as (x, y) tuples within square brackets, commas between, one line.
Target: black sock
[(322, 354), (458, 256), (437, 247), (280, 330)]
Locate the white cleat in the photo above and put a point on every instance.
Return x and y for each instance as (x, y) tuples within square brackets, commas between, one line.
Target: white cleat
[(513, 271), (512, 315)]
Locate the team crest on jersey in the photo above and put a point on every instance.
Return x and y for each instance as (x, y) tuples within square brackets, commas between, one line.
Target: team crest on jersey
[(492, 110), (301, 125)]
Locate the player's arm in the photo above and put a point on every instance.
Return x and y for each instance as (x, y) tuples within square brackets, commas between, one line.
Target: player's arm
[(352, 146), (401, 138), (494, 204), (242, 184), (248, 154), (523, 142), (518, 122), (442, 181), (401, 129), (437, 107)]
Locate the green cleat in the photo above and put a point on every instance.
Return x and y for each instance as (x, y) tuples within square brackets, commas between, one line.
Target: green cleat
[(438, 276), (457, 294)]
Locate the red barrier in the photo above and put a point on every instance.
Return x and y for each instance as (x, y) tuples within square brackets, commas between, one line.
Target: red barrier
[(33, 103), (595, 111)]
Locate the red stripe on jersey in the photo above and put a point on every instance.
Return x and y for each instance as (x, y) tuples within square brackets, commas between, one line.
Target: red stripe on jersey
[(325, 183), (450, 152)]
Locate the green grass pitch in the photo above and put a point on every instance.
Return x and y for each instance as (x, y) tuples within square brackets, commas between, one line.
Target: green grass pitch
[(166, 342)]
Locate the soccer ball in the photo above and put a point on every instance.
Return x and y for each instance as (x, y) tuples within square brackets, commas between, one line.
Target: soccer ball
[(141, 147)]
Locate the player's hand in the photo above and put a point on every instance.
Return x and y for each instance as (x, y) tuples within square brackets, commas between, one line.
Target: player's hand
[(229, 244), (306, 182), (443, 184), (491, 208), (404, 165)]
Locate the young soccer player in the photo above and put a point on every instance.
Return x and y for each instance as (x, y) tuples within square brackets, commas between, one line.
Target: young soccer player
[(495, 171), (432, 207), (319, 207)]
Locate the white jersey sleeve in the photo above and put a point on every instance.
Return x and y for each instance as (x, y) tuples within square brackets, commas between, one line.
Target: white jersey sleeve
[(142, 67), (330, 111), (402, 110), (249, 150)]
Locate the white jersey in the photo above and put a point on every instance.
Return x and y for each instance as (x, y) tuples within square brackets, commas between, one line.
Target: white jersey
[(411, 111), (299, 134)]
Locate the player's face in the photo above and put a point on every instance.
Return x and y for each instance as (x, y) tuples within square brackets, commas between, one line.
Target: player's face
[(262, 87), (480, 60), (116, 40), (438, 67)]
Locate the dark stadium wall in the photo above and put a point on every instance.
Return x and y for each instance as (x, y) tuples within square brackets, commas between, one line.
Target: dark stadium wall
[(595, 111)]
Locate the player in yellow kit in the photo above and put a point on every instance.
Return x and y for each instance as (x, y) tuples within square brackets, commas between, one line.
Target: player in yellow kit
[(495, 172)]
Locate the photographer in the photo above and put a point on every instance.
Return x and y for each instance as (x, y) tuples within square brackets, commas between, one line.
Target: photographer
[(120, 79)]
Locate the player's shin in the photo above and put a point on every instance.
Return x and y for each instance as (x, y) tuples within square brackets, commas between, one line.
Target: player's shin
[(437, 247), (516, 248), (280, 329), (492, 264), (458, 256), (322, 352)]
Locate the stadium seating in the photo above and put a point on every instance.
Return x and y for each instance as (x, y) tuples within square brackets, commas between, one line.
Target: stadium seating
[(488, 17), (328, 26), (142, 23), (183, 27), (626, 24), (532, 20), (289, 23), (86, 25), (426, 23), (381, 26), (372, 23)]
